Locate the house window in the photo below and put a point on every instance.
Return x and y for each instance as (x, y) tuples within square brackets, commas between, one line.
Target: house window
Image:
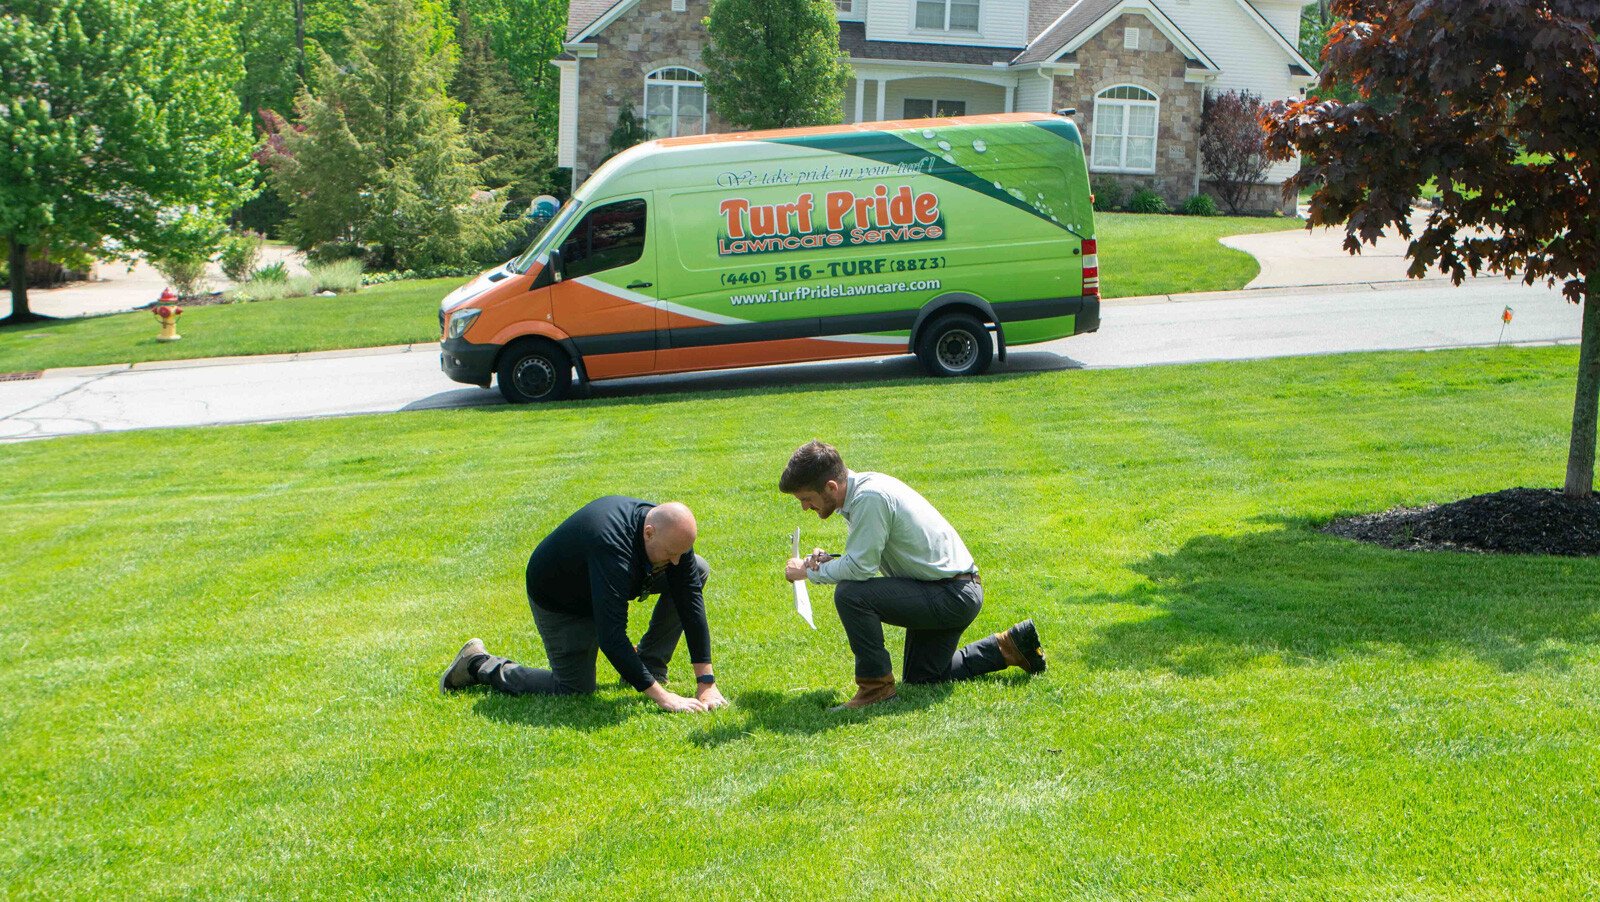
[(927, 109), (845, 7), (947, 15), (1130, 39), (1125, 120), (674, 103), (679, 6)]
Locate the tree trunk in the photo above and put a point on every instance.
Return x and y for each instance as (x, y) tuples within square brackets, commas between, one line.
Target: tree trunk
[(300, 40), (1580, 457), (19, 288)]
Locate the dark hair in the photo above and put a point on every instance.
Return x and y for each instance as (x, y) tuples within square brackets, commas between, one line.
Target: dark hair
[(812, 467)]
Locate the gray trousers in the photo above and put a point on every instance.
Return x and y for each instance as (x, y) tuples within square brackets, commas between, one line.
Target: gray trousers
[(573, 646), (934, 615)]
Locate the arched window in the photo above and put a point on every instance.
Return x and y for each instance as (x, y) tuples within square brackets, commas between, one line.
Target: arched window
[(1125, 125), (674, 103)]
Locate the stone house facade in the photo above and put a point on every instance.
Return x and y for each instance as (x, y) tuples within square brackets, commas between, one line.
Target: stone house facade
[(1136, 71)]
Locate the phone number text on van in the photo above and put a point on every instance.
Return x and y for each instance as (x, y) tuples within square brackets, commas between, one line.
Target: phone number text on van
[(835, 269)]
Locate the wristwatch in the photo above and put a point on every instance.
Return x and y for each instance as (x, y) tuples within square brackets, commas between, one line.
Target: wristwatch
[(706, 679)]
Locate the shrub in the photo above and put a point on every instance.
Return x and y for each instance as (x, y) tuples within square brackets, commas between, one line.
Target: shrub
[(1146, 201), (1107, 195), (1199, 205), (239, 255), (1233, 145), (275, 272), (300, 286), (186, 274), (430, 272), (341, 276), (331, 251)]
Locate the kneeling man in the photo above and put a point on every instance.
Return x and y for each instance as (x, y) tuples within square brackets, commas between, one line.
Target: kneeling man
[(580, 580), (929, 582)]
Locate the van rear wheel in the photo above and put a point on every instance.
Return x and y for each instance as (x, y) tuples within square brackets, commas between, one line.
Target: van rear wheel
[(534, 371), (956, 344)]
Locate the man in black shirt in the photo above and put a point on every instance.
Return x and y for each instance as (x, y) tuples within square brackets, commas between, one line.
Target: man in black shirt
[(580, 579)]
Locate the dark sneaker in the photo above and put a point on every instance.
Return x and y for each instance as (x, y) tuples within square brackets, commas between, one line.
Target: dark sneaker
[(459, 674), (1025, 640)]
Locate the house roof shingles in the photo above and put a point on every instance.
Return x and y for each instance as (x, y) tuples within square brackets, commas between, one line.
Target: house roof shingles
[(853, 40), (1082, 14), (583, 13)]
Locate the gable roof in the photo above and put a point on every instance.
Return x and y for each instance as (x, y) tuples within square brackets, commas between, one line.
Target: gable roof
[(1071, 23), (1086, 18), (583, 13)]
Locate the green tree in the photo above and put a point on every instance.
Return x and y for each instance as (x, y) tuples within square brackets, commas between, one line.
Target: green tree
[(775, 63), (1493, 101), (500, 121), (526, 35), (378, 156), (120, 121)]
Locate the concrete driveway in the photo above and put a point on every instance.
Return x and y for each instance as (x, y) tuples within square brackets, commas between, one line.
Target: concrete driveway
[(1136, 332), (119, 287)]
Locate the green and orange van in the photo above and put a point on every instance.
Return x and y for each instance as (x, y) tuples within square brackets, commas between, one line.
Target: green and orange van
[(947, 238)]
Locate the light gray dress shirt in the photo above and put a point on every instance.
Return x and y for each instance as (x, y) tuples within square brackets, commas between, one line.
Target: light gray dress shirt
[(893, 531)]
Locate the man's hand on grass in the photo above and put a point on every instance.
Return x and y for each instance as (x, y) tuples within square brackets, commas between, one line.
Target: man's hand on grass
[(707, 694), (668, 701)]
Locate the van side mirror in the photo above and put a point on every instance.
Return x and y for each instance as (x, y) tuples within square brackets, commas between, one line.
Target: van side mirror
[(554, 266)]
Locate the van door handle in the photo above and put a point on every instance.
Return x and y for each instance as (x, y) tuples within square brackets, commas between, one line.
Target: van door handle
[(639, 284)]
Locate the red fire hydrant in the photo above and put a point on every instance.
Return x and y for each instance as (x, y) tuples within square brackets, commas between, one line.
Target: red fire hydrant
[(168, 313)]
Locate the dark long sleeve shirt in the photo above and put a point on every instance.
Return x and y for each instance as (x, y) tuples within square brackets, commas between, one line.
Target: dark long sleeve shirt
[(594, 563)]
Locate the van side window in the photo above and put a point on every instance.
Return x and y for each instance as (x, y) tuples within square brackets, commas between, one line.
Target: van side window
[(610, 236)]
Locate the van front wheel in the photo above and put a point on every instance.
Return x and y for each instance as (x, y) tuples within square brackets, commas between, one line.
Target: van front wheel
[(534, 371), (955, 345)]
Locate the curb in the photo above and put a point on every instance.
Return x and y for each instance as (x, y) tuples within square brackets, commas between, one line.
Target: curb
[(199, 362)]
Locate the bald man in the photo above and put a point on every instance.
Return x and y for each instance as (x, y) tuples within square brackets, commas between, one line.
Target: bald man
[(580, 580)]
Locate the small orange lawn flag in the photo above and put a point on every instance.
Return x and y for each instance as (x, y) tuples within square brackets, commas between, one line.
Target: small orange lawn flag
[(1505, 320)]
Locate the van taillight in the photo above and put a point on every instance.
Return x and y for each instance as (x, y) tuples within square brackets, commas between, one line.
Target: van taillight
[(1091, 268)]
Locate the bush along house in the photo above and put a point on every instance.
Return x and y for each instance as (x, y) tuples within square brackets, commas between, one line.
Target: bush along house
[(1137, 72)]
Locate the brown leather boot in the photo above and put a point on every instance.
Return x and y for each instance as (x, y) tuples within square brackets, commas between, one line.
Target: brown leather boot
[(870, 691), (1019, 646)]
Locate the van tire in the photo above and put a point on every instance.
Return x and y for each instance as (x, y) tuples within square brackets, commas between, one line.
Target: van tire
[(956, 344), (535, 370)]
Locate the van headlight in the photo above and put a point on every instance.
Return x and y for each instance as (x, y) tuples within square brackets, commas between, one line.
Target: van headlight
[(461, 321)]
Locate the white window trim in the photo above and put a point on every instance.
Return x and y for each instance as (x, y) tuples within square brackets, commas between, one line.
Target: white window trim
[(917, 29), (650, 80), (1122, 106)]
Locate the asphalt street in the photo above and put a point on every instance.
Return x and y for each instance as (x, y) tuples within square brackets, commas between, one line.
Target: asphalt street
[(1141, 332)]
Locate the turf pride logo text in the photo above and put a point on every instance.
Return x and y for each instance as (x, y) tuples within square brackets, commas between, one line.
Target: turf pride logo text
[(878, 217)]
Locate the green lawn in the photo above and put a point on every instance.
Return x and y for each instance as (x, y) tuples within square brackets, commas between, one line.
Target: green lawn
[(223, 647), (1144, 255), (1138, 255), (389, 314)]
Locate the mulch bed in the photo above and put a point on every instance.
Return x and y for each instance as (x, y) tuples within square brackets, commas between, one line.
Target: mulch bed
[(1515, 521)]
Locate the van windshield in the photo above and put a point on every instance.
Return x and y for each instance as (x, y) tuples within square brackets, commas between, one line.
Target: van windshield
[(541, 242)]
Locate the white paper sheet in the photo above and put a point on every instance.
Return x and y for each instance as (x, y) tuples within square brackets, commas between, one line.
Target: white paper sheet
[(802, 596)]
